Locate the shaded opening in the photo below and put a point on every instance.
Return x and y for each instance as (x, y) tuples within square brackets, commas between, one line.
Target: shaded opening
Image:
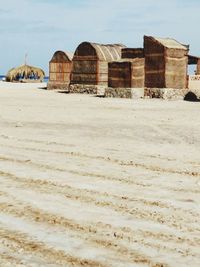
[(190, 96)]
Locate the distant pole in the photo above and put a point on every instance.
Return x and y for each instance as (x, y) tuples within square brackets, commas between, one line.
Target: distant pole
[(25, 61)]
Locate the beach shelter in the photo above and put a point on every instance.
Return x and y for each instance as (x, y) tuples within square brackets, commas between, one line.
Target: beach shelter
[(60, 67), (166, 62), (90, 62), (25, 73), (128, 72)]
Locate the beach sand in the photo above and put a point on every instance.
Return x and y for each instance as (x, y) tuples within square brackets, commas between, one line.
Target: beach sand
[(89, 181)]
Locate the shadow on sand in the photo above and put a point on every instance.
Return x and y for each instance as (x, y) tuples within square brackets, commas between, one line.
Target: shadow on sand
[(43, 88), (63, 91), (190, 96)]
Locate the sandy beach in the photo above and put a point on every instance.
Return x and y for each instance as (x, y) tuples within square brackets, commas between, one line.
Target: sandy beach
[(89, 181)]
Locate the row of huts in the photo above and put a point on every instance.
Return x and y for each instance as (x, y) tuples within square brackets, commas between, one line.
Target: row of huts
[(161, 63)]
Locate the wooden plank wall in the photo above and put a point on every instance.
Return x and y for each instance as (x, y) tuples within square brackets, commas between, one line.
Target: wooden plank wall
[(60, 72)]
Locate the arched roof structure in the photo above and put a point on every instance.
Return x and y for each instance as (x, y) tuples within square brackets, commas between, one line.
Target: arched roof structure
[(61, 56), (103, 52)]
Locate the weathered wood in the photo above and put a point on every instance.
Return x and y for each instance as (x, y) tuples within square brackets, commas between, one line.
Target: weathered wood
[(198, 67), (84, 78), (60, 68), (87, 66), (90, 63), (126, 73), (175, 53), (132, 53), (165, 63)]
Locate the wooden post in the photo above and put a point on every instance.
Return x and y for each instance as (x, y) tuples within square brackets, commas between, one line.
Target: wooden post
[(198, 67), (25, 60)]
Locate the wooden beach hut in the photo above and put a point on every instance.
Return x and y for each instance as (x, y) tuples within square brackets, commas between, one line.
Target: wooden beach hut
[(126, 73), (60, 67), (90, 63), (166, 63), (129, 71), (25, 73)]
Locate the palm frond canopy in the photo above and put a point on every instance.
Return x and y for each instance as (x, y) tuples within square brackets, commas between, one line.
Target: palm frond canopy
[(25, 72)]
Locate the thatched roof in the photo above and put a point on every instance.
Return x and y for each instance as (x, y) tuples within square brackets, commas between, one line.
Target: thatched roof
[(25, 72)]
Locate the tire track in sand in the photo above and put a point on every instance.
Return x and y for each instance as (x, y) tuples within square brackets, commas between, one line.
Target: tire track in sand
[(113, 202), (23, 241), (98, 176), (79, 196), (89, 233), (129, 163)]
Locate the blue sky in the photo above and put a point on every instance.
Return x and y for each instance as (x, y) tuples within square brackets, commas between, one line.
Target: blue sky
[(40, 27)]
